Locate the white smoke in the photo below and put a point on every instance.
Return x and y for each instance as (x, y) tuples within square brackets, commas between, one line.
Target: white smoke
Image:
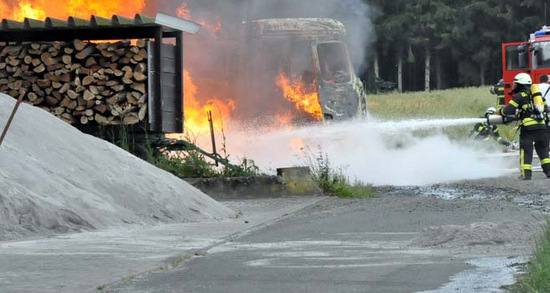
[(376, 153)]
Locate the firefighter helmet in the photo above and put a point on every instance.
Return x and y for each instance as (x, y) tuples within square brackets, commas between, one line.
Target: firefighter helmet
[(523, 78), (490, 111)]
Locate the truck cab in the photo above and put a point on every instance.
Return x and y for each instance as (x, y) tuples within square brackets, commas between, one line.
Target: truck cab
[(532, 57), (312, 51)]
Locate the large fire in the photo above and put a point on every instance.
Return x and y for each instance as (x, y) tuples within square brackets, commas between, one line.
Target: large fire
[(40, 9), (297, 92), (196, 120)]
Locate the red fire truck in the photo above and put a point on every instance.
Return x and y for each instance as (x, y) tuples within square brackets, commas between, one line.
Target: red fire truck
[(532, 57)]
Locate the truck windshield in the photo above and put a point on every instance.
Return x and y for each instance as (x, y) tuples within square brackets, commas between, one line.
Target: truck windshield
[(541, 55), (334, 62)]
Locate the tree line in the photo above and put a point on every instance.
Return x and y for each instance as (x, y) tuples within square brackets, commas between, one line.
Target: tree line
[(439, 44)]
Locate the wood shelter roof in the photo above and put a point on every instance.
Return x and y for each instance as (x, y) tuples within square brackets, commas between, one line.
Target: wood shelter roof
[(95, 28)]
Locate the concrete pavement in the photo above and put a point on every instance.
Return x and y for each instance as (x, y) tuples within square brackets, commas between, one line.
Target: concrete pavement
[(88, 261)]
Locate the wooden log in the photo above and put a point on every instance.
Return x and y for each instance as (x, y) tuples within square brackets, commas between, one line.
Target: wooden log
[(140, 67), (81, 103), (66, 78), (79, 45), (38, 101), (44, 83), (142, 112), (51, 101), (141, 43), (90, 61), (88, 95), (138, 76), (39, 69), (55, 67), (56, 85), (32, 96), (85, 53), (59, 110), (57, 95), (112, 100), (35, 46), (142, 100), (67, 59), (131, 99), (138, 86), (87, 80), (101, 108), (64, 88), (72, 94), (13, 61), (47, 59), (130, 119), (100, 119), (27, 59), (80, 89)]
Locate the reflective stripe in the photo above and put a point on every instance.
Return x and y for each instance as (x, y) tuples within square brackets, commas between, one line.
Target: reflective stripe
[(526, 167), (513, 103), (530, 121), (545, 161), (521, 161)]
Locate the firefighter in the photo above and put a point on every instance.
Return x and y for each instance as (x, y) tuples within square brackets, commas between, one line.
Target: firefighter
[(485, 132), (498, 90), (532, 125)]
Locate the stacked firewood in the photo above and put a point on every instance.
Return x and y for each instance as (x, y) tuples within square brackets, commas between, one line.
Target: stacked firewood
[(78, 81)]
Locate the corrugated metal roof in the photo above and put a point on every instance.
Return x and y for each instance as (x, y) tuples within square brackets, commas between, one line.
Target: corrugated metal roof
[(97, 27), (73, 22), (97, 21)]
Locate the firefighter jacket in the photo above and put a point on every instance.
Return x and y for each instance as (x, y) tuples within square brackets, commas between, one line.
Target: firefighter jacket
[(529, 117), (498, 90)]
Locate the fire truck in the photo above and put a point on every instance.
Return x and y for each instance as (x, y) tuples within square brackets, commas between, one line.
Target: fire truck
[(532, 57)]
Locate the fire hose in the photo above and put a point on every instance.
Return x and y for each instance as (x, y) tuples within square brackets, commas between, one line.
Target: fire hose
[(500, 119)]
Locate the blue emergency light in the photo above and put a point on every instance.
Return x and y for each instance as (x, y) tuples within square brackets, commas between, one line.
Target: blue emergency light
[(543, 32)]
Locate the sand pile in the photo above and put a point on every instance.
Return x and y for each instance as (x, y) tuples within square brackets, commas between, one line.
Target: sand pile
[(53, 178)]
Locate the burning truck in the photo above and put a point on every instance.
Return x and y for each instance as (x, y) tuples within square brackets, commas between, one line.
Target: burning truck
[(274, 71), (307, 56)]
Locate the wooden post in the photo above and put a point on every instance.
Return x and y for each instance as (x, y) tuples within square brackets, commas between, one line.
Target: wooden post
[(158, 73), (19, 100), (179, 79)]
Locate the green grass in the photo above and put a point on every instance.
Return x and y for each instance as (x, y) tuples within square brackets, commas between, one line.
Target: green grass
[(453, 103), (332, 181), (192, 164), (536, 279)]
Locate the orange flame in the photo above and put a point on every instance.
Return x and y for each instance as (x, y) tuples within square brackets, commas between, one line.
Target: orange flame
[(40, 9), (304, 99), (195, 114)]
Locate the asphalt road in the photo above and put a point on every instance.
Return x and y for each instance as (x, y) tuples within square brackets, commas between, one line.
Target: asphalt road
[(395, 243)]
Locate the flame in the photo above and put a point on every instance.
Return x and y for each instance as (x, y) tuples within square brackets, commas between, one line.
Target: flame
[(304, 99), (40, 9), (183, 12), (196, 120)]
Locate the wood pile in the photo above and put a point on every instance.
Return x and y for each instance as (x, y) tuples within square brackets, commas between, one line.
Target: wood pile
[(80, 82)]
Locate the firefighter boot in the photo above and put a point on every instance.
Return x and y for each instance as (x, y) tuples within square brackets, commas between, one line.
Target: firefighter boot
[(546, 169), (526, 175)]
